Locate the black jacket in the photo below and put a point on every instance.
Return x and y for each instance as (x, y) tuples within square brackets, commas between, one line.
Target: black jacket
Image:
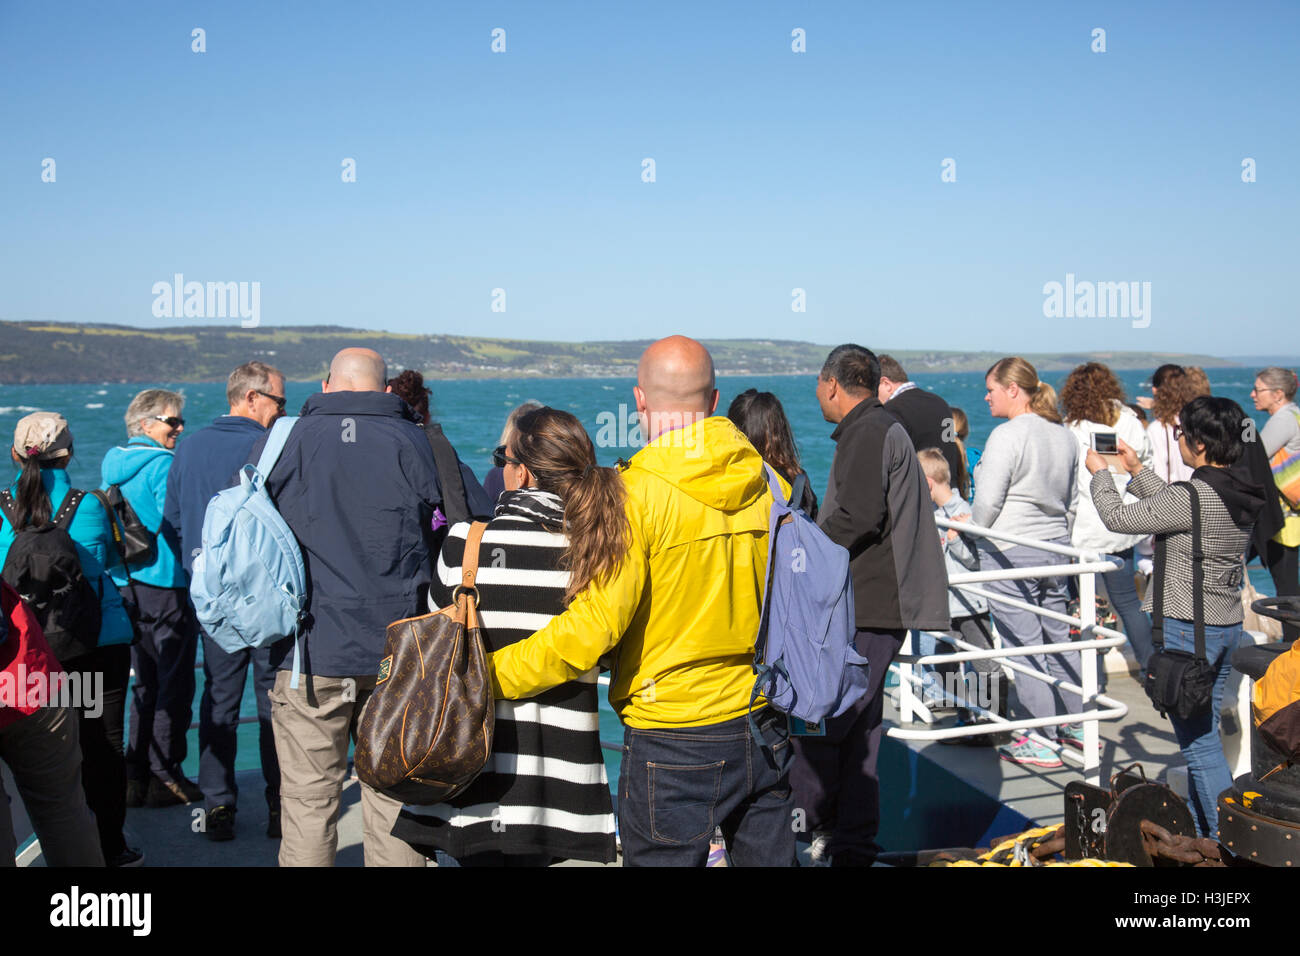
[(878, 506), (928, 419), (357, 486)]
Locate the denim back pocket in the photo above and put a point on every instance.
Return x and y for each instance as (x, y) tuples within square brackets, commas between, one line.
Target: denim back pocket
[(682, 800)]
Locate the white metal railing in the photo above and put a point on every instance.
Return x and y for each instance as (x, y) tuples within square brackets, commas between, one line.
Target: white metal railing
[(1096, 706)]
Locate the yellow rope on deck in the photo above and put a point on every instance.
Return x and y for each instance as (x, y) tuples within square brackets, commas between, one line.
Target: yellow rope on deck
[(1017, 851)]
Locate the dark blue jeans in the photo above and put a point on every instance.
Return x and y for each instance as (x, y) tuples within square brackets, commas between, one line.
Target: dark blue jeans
[(1199, 737), (223, 692), (677, 785)]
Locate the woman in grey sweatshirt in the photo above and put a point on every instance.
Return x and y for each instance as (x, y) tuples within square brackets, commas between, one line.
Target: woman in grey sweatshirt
[(1025, 484)]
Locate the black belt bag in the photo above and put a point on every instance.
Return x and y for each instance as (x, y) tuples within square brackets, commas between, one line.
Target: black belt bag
[(1179, 683)]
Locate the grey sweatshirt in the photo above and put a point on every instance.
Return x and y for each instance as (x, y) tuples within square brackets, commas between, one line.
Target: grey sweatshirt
[(1025, 480)]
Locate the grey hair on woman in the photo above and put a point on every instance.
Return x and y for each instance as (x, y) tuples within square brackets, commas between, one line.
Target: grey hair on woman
[(1282, 379), (149, 403), (512, 420)]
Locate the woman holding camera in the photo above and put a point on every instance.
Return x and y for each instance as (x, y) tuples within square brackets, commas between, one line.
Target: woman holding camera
[(1209, 441)]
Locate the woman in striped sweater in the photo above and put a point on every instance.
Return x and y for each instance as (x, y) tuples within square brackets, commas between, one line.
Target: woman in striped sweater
[(559, 525)]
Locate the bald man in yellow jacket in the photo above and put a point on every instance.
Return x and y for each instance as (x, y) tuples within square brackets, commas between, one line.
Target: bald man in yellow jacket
[(680, 614)]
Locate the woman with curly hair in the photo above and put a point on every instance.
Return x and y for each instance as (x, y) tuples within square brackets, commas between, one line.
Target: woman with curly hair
[(1174, 390), (1092, 403)]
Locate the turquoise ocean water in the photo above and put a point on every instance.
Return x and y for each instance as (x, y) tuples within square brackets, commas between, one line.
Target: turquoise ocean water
[(472, 413)]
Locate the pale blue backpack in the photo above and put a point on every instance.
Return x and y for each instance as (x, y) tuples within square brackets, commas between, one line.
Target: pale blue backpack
[(807, 665), (248, 585)]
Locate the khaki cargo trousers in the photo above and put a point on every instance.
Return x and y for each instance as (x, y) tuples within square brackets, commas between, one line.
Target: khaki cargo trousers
[(313, 726)]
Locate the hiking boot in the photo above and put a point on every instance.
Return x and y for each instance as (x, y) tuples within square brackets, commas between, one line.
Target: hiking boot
[(1070, 735), (127, 858), (172, 793), (1022, 750), (135, 792), (220, 824), (273, 823)]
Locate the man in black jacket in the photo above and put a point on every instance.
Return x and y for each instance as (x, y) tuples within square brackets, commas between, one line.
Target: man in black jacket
[(925, 415), (877, 506), (357, 485)]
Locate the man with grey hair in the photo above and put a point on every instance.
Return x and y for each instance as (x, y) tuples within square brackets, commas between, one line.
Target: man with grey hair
[(155, 590), (357, 485), (205, 463)]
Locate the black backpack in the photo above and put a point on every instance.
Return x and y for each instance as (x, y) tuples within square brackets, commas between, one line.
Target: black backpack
[(43, 567)]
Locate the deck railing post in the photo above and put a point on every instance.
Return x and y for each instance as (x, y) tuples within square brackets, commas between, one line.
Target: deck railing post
[(1088, 663)]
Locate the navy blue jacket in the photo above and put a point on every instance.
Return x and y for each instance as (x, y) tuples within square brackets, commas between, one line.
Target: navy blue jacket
[(205, 463), (357, 485)]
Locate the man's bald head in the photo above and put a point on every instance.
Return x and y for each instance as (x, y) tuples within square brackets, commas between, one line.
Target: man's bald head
[(676, 375), (675, 382), (357, 370)]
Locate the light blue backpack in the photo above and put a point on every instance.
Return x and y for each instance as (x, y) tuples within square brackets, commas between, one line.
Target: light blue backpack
[(807, 665), (248, 584)]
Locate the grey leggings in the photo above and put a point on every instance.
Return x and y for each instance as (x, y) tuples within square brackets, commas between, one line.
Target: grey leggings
[(1021, 628)]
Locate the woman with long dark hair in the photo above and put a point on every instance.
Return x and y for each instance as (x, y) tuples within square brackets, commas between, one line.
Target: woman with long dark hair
[(42, 448), (559, 526), (760, 416)]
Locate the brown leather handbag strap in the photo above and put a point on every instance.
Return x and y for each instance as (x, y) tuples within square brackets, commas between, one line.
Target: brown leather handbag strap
[(469, 567)]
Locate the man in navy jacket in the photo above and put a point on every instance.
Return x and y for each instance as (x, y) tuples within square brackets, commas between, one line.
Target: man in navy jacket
[(357, 485), (204, 464)]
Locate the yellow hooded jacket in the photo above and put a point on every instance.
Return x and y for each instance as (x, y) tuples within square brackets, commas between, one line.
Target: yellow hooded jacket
[(682, 609)]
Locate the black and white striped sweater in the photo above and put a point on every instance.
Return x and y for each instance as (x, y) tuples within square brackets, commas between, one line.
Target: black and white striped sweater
[(544, 789)]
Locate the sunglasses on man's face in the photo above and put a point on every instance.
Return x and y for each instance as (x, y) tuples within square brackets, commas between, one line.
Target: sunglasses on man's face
[(278, 399), (501, 459), (169, 421)]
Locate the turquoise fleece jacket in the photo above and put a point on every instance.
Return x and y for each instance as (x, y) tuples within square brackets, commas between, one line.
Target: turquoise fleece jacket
[(140, 468), (92, 533)]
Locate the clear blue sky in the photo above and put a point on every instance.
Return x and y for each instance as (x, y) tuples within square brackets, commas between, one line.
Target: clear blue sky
[(775, 170)]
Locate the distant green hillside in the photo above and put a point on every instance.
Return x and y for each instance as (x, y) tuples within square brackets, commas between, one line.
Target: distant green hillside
[(34, 352)]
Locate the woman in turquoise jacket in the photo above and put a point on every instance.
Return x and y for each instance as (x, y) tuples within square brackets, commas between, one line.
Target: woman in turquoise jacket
[(43, 447), (162, 700)]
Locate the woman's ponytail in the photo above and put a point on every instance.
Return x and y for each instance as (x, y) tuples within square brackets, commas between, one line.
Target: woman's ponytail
[(596, 525), (32, 502), (556, 449), (1043, 403)]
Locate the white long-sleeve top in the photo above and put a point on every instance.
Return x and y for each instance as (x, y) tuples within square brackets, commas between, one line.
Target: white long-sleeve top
[(1089, 530)]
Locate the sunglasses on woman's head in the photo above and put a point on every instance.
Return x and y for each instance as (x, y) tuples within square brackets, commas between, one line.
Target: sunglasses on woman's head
[(169, 421), (501, 459)]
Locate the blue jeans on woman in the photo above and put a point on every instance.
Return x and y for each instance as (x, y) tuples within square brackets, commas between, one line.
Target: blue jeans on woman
[(1124, 598), (1199, 737)]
